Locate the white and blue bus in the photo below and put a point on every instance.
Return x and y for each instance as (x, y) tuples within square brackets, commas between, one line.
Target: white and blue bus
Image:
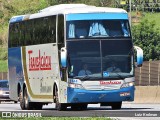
[(47, 51)]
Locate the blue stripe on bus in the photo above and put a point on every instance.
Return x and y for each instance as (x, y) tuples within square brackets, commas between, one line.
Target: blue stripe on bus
[(16, 19), (96, 16), (89, 96), (15, 61)]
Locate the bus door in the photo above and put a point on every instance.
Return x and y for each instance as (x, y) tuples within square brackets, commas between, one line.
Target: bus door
[(63, 73)]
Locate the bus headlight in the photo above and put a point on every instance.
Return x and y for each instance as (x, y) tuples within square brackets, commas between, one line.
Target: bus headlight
[(1, 92), (128, 84), (72, 85)]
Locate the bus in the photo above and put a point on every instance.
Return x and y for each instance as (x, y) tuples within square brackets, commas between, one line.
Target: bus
[(47, 51)]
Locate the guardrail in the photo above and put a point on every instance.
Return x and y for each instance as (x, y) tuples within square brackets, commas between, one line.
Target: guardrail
[(148, 74), (3, 75)]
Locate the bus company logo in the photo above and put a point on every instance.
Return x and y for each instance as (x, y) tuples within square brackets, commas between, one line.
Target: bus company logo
[(109, 82), (40, 62)]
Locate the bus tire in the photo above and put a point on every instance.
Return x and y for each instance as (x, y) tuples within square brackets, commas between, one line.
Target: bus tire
[(59, 106), (28, 105), (21, 100), (116, 105)]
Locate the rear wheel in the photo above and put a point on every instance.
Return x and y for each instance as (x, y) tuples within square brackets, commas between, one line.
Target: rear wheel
[(25, 104), (21, 100), (59, 106), (116, 105), (28, 105)]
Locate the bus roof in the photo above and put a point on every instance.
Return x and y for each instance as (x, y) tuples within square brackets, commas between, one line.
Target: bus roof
[(66, 9)]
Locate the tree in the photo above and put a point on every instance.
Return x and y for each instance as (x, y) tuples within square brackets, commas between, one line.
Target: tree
[(146, 36), (103, 3)]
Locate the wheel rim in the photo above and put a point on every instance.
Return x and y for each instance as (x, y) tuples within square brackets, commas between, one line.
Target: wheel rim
[(21, 100), (57, 100), (26, 98)]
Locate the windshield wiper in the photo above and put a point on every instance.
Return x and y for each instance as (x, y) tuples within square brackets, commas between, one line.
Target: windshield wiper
[(86, 77), (119, 76)]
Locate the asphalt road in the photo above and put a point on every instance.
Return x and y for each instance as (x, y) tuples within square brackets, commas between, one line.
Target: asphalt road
[(94, 110)]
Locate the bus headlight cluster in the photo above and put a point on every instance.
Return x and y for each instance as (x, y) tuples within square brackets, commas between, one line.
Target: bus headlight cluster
[(73, 85), (127, 84), (1, 92)]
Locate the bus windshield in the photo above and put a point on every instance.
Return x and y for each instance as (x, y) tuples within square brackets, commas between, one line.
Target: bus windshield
[(94, 59), (83, 29)]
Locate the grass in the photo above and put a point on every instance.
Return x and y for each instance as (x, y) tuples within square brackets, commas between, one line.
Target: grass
[(62, 118), (153, 17), (57, 118), (71, 118), (150, 16), (3, 66), (3, 59)]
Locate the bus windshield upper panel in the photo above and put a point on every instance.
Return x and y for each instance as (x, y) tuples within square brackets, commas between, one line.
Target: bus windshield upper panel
[(91, 26)]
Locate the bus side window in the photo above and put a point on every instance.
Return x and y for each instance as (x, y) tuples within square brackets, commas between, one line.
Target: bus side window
[(33, 33), (60, 33), (52, 29), (22, 35), (29, 33), (38, 35), (15, 39), (11, 35), (45, 30)]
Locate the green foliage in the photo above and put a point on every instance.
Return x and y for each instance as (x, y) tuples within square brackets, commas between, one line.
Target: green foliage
[(105, 3), (146, 36), (70, 118), (150, 16), (3, 66), (3, 55), (1, 14)]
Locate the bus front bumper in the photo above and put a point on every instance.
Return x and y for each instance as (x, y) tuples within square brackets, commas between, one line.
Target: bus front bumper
[(99, 96)]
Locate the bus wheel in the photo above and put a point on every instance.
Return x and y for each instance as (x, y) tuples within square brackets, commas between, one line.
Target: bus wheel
[(59, 106), (116, 105), (28, 105), (21, 100)]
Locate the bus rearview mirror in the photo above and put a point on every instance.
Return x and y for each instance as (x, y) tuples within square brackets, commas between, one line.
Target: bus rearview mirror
[(139, 55), (63, 57)]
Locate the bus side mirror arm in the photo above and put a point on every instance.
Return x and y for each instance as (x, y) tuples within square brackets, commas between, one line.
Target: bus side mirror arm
[(139, 59), (63, 57)]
